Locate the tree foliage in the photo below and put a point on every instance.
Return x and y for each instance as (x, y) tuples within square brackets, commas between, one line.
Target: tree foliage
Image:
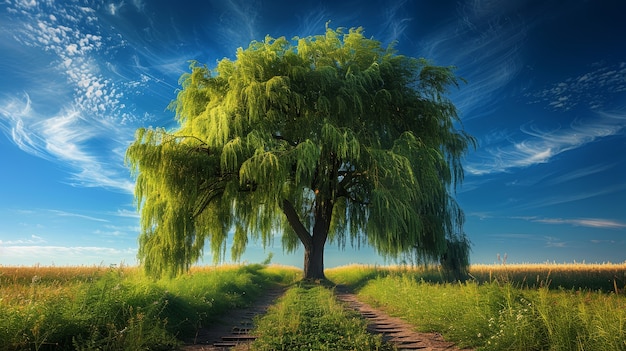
[(329, 137)]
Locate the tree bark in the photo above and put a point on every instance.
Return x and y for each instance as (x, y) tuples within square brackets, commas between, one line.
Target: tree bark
[(313, 244), (314, 259)]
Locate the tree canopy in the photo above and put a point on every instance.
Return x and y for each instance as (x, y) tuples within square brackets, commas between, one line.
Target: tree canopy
[(331, 137)]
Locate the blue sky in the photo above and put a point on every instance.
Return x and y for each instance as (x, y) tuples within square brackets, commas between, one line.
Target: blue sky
[(545, 97)]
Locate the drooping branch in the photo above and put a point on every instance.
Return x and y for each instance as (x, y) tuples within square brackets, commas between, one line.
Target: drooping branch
[(336, 134), (210, 194)]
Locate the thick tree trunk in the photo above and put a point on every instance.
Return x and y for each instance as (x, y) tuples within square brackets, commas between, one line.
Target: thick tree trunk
[(313, 244), (314, 260)]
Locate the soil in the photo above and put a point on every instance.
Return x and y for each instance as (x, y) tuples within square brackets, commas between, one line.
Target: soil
[(232, 331), (394, 330)]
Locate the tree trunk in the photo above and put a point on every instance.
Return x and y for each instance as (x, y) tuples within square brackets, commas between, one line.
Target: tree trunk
[(314, 260), (313, 244)]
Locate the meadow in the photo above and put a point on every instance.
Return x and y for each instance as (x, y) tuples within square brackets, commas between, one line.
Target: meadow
[(501, 307), (516, 307), (119, 308)]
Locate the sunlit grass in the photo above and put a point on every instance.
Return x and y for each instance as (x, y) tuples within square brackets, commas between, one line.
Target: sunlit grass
[(607, 277), (594, 276), (119, 308), (309, 317), (502, 309)]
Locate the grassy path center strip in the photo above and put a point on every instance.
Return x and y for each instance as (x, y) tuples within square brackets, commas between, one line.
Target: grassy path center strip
[(309, 317)]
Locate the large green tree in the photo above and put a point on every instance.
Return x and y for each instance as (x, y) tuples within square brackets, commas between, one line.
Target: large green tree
[(329, 138)]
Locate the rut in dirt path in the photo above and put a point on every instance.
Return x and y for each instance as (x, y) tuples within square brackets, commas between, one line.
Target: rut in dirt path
[(232, 331), (394, 330)]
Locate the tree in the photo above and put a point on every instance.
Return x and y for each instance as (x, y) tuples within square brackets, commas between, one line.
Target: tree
[(324, 138), (455, 261)]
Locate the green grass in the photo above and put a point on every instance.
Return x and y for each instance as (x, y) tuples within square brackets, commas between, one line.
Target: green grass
[(309, 317), (497, 315), (551, 307), (45, 308)]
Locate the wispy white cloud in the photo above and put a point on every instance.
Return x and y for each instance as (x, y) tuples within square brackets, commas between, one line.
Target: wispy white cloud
[(485, 42), (579, 222), (33, 239), (600, 190), (503, 153), (585, 222), (313, 22), (139, 4), (66, 255), (546, 240), (77, 215), (578, 173), (611, 242), (523, 236), (551, 241), (113, 8), (109, 233), (591, 89), (85, 129), (65, 138), (540, 146), (16, 115), (238, 22), (395, 21), (127, 213)]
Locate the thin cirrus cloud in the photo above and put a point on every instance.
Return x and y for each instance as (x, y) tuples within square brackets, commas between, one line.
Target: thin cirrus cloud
[(92, 112), (572, 197), (238, 22), (589, 90), (486, 51), (579, 222), (70, 214), (395, 21), (539, 146), (63, 138), (578, 173), (548, 241), (33, 239), (32, 254)]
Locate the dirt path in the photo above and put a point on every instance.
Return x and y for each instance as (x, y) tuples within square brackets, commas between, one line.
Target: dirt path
[(232, 331), (394, 330)]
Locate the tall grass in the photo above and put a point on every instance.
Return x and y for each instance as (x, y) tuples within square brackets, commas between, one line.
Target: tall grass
[(309, 317), (606, 277), (500, 313), (99, 308)]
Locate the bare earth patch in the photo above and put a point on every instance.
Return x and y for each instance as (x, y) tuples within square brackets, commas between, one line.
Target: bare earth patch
[(395, 330), (232, 331)]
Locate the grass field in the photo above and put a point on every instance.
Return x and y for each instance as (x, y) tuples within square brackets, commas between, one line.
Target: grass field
[(512, 307), (99, 308), (519, 307)]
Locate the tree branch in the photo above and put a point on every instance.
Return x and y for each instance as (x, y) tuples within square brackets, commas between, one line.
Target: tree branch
[(280, 137), (296, 224)]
